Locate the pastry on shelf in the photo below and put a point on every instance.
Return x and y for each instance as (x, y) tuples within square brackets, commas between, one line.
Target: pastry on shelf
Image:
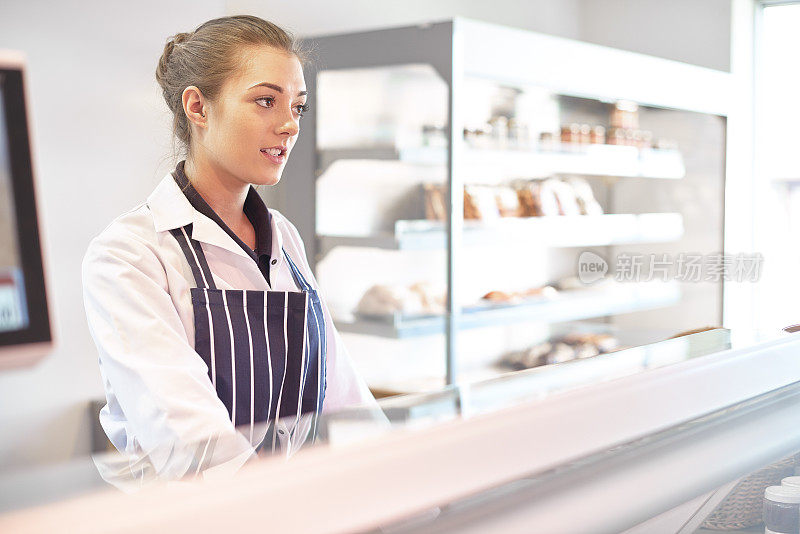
[(501, 296), (382, 300), (435, 205), (543, 291), (546, 353), (433, 299), (561, 349), (530, 201), (515, 297), (507, 202), (525, 359), (471, 210), (419, 299), (603, 342), (532, 198), (560, 353), (695, 331), (480, 202), (587, 204), (548, 199), (565, 196), (585, 350)]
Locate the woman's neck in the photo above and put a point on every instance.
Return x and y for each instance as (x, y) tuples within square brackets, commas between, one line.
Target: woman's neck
[(223, 192)]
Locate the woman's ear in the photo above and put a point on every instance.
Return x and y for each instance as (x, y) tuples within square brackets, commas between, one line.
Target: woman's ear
[(194, 106)]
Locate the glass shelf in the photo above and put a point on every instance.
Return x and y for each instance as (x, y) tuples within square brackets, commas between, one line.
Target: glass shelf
[(588, 160), (552, 231), (566, 306)]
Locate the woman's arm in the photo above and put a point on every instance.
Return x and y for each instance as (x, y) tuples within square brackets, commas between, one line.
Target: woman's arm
[(158, 380)]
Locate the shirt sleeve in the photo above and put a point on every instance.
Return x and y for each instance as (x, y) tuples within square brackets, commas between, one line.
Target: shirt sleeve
[(149, 368), (345, 385)]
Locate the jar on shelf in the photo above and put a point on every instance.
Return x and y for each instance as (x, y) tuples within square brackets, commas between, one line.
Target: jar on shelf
[(571, 133), (518, 134), (547, 141), (791, 482), (499, 131), (625, 115), (781, 510), (598, 135), (616, 136), (586, 134)]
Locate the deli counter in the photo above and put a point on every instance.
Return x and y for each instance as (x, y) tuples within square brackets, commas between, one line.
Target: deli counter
[(680, 435)]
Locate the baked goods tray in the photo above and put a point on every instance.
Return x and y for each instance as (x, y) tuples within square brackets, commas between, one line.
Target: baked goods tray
[(566, 306)]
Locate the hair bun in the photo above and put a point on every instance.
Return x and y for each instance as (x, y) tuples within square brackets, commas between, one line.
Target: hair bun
[(178, 38), (161, 70)]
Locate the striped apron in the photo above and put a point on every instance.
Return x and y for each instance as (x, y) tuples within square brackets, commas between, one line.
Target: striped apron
[(265, 351)]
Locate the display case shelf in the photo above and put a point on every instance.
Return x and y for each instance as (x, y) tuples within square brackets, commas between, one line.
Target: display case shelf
[(571, 305), (588, 160), (553, 231)]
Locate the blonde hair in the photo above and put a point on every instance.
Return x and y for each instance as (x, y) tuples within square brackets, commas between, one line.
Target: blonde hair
[(209, 55)]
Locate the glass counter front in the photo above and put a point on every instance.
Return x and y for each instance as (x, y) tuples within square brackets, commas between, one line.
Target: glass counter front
[(551, 411)]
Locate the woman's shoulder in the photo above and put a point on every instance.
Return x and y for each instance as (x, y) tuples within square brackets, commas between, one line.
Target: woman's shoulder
[(129, 231), (285, 226)]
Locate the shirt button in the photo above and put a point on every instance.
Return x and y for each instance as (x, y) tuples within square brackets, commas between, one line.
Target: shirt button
[(280, 431), (274, 262)]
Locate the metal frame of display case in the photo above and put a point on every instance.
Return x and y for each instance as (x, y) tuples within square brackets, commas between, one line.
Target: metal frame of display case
[(461, 48)]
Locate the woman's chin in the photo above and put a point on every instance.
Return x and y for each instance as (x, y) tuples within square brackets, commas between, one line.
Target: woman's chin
[(267, 180)]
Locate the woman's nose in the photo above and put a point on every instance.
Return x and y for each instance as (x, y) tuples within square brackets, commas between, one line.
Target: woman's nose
[(290, 124)]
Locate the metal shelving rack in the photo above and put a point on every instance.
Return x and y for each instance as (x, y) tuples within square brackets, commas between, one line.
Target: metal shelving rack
[(461, 48)]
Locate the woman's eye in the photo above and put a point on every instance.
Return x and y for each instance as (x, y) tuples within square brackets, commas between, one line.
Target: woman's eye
[(301, 109), (270, 101)]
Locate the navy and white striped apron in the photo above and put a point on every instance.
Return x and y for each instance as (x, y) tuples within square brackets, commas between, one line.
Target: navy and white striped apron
[(265, 350)]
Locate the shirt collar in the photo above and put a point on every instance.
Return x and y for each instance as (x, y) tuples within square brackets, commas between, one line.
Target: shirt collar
[(261, 219), (254, 208), (172, 209)]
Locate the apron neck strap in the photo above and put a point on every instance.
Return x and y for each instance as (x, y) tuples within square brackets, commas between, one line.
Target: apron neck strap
[(298, 276), (194, 255)]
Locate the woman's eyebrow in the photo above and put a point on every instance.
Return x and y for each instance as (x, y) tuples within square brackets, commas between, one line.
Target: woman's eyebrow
[(275, 87)]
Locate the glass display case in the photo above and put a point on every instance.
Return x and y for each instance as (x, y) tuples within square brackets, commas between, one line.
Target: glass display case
[(664, 437), (477, 213)]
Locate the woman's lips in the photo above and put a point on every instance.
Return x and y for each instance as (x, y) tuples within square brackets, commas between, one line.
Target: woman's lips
[(277, 160)]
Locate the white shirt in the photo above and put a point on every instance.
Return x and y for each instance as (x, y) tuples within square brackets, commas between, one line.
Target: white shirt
[(136, 286)]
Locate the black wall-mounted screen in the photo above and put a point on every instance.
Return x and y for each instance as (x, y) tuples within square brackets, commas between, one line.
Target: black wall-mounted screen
[(23, 302)]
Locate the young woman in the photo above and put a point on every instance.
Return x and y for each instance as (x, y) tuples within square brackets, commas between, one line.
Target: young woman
[(201, 302)]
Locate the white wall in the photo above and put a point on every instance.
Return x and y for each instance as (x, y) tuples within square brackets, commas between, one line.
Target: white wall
[(321, 17), (102, 142), (102, 138), (692, 31)]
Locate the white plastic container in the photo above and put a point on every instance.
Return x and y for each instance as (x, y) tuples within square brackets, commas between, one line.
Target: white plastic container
[(782, 510)]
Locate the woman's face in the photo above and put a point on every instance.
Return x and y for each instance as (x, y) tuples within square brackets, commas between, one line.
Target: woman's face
[(254, 123)]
